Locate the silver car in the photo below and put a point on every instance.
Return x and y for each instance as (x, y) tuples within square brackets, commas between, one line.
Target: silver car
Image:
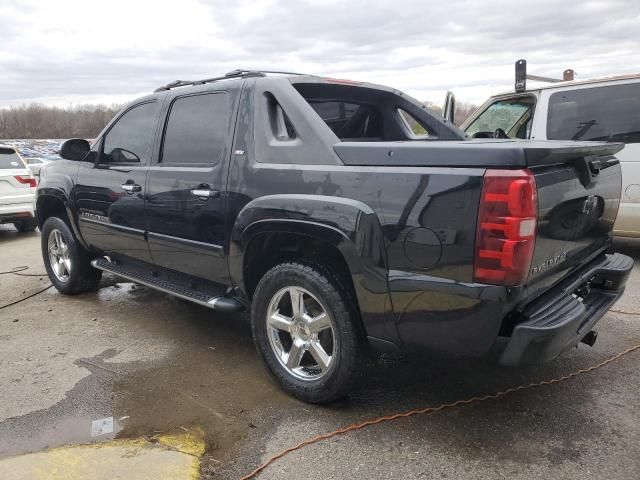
[(17, 188)]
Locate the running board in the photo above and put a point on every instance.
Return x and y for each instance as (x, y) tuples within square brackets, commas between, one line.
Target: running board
[(220, 303)]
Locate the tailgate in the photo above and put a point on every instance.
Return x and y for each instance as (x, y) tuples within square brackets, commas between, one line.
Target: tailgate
[(579, 186)]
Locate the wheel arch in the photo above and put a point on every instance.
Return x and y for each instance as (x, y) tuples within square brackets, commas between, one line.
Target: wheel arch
[(53, 203), (280, 228)]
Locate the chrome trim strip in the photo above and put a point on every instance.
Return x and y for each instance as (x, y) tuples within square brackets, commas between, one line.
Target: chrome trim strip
[(114, 226), (213, 248)]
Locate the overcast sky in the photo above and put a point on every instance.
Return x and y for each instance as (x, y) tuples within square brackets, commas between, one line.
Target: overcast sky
[(77, 51)]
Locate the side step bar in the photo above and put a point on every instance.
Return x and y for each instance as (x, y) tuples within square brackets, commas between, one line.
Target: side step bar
[(221, 303)]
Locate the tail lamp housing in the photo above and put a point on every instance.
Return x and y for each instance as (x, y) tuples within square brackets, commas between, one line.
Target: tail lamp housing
[(506, 230), (31, 181)]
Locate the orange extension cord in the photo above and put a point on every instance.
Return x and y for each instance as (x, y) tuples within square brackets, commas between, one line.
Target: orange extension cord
[(444, 406)]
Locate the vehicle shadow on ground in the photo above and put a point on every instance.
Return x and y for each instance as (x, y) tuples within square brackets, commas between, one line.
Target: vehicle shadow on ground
[(9, 234)]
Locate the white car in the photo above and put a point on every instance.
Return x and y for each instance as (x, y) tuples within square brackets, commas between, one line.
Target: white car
[(17, 189), (35, 164), (599, 109)]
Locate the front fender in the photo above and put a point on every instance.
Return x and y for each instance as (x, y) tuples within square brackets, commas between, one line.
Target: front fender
[(57, 185), (352, 227)]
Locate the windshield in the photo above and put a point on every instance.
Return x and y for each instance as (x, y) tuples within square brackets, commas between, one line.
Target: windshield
[(9, 159), (609, 113), (513, 116)]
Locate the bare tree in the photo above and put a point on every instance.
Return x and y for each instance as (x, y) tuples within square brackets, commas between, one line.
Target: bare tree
[(40, 121), (463, 110)]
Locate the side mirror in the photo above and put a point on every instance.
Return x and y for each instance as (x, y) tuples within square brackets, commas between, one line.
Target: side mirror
[(75, 149)]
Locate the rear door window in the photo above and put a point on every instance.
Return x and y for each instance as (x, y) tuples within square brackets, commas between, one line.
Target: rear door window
[(609, 113), (197, 129), (512, 115), (9, 159)]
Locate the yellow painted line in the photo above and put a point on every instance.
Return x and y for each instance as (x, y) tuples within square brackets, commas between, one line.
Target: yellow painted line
[(170, 457)]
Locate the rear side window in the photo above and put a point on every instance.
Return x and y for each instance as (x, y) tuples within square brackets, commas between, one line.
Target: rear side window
[(9, 159), (350, 120), (197, 129), (610, 113), (130, 138)]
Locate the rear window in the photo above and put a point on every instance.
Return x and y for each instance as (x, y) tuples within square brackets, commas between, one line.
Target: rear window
[(362, 113), (610, 113), (350, 120), (9, 159)]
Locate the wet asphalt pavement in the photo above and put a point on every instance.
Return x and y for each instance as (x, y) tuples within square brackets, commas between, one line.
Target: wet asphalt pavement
[(159, 364)]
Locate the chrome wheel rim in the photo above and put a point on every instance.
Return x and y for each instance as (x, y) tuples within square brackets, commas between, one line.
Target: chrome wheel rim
[(59, 255), (301, 333)]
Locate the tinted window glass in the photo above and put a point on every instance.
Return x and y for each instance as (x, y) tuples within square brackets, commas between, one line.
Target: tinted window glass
[(513, 116), (603, 113), (197, 129), (9, 159), (349, 120), (129, 140)]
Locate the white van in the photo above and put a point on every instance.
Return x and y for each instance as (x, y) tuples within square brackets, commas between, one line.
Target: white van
[(604, 109)]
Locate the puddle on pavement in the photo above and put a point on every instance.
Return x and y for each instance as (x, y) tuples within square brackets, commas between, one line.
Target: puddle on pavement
[(212, 379), (66, 422)]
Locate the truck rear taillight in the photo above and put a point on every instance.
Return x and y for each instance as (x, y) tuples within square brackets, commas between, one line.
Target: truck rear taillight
[(506, 229), (26, 180)]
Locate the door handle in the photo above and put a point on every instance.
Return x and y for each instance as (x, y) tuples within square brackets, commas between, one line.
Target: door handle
[(131, 187), (205, 193)]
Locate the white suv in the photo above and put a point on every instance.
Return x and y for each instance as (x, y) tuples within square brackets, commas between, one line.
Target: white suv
[(17, 188), (600, 109)]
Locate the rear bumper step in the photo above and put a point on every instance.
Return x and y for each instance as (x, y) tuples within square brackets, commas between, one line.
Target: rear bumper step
[(219, 303), (560, 319)]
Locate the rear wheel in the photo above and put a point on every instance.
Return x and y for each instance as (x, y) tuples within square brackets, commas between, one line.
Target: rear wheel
[(28, 225), (306, 330), (67, 263)]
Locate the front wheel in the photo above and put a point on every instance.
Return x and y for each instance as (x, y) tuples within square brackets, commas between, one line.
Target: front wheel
[(67, 263), (306, 330)]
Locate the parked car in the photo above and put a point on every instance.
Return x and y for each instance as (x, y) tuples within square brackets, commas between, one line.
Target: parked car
[(35, 164), (17, 189), (342, 215), (604, 109)]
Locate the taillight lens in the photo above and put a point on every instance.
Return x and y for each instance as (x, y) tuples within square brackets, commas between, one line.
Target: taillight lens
[(506, 229), (26, 180)]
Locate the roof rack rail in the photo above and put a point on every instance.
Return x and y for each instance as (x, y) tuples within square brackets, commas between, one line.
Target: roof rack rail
[(239, 73), (522, 76)]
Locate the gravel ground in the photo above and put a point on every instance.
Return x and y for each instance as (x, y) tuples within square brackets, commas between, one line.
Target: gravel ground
[(157, 364)]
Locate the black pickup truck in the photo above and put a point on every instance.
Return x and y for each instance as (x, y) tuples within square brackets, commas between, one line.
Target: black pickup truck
[(342, 215)]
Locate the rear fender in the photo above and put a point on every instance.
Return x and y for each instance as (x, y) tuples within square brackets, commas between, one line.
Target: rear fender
[(352, 227)]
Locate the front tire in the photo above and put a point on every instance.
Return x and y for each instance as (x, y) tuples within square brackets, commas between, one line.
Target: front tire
[(67, 263), (306, 330)]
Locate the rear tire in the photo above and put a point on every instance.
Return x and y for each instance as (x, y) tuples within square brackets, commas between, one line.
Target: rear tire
[(28, 225), (67, 263), (314, 350)]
